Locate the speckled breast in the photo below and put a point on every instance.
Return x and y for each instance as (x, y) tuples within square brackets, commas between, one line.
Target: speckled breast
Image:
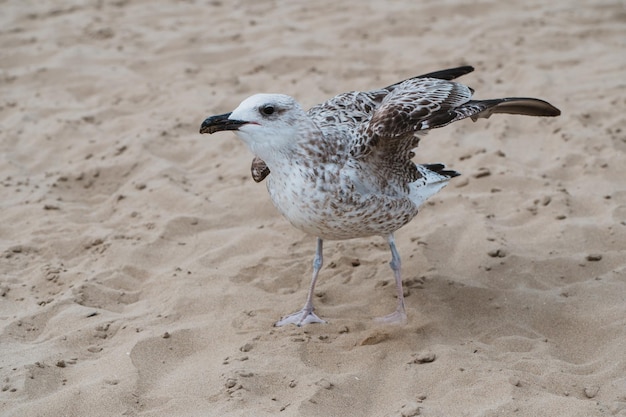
[(333, 210)]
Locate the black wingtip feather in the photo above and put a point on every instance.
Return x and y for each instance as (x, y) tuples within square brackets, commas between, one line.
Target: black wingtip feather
[(446, 74), (441, 170)]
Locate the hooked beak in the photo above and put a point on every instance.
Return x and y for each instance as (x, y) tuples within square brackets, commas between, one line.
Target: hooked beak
[(220, 122)]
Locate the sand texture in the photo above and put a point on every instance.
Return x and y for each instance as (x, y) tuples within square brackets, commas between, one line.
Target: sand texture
[(141, 268)]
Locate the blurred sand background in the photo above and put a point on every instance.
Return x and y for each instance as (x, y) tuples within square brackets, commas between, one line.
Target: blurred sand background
[(141, 268)]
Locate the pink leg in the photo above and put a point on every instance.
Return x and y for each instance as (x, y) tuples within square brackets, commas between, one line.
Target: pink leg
[(398, 316), (306, 314)]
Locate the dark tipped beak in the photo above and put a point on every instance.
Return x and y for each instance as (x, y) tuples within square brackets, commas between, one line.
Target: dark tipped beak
[(220, 122)]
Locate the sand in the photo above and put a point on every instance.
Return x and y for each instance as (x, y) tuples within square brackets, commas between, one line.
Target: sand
[(141, 268)]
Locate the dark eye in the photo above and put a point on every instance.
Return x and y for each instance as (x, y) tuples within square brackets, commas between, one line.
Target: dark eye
[(268, 109)]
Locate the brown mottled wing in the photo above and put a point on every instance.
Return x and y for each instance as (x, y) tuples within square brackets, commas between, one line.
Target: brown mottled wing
[(420, 104), (426, 103), (342, 118), (259, 169), (412, 106), (387, 141), (347, 112)]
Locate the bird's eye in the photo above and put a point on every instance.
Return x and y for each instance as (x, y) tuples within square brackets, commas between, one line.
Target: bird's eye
[(268, 109)]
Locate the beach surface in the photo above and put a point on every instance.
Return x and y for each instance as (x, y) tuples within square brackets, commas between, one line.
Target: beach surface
[(142, 269)]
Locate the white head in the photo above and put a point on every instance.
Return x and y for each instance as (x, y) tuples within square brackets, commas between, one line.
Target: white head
[(268, 123)]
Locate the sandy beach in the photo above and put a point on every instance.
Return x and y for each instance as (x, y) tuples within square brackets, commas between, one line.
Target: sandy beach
[(142, 269)]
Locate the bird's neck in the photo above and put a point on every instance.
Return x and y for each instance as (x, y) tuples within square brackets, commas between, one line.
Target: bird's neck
[(303, 146)]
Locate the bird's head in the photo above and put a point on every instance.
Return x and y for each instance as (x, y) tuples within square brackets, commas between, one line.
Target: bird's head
[(267, 123)]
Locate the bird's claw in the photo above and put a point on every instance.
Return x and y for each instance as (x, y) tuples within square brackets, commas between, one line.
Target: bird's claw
[(300, 318)]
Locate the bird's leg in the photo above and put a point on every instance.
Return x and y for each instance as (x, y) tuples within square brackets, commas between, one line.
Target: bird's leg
[(306, 315), (398, 316)]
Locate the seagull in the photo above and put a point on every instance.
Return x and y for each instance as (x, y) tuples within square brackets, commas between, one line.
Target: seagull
[(343, 169)]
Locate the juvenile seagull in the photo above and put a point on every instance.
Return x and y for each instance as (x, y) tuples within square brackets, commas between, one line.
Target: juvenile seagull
[(343, 169)]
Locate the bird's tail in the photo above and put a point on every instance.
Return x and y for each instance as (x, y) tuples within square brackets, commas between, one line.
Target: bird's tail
[(433, 178), (440, 169)]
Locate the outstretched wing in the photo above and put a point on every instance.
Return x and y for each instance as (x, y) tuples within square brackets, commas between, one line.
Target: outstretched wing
[(410, 108), (418, 105), (394, 130), (351, 110)]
